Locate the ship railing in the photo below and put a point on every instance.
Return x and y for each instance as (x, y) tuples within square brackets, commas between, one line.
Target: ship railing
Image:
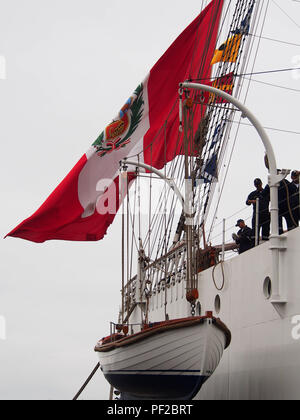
[(123, 328), (224, 229), (166, 270), (163, 272)]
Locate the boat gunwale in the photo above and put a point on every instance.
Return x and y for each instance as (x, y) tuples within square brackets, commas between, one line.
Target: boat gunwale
[(164, 327)]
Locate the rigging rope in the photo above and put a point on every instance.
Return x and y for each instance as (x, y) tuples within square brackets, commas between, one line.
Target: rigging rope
[(269, 128), (159, 225), (86, 382), (241, 8), (249, 74), (272, 84), (223, 276), (220, 147), (277, 40), (283, 11), (239, 123)]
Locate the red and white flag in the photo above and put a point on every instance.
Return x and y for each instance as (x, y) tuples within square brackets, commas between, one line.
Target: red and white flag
[(147, 124)]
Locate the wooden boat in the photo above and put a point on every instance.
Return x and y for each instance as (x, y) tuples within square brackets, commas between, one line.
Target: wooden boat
[(165, 360)]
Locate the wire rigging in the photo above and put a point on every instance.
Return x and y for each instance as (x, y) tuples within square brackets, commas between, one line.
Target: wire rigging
[(284, 12), (160, 223), (249, 74), (269, 128), (277, 40), (272, 84), (239, 123)]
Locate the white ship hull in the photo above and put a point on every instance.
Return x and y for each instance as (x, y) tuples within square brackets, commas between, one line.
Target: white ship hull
[(263, 360), (170, 365)]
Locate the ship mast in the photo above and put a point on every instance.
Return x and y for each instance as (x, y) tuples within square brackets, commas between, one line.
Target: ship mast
[(188, 210), (203, 144)]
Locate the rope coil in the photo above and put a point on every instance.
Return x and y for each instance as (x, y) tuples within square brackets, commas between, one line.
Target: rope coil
[(223, 276)]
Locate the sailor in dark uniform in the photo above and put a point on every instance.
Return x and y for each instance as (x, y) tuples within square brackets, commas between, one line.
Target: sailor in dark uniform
[(263, 194), (244, 237), (288, 202), (294, 199)]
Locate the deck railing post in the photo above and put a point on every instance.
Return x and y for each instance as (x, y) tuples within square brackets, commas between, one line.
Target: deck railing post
[(257, 223), (223, 241)]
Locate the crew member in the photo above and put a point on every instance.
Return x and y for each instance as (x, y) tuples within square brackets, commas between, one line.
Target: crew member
[(243, 237), (294, 199), (288, 202), (263, 195)]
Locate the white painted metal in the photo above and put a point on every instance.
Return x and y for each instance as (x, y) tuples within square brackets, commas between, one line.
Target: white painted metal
[(169, 181)]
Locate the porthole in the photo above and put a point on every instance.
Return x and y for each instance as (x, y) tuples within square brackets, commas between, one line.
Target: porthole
[(267, 288), (217, 304)]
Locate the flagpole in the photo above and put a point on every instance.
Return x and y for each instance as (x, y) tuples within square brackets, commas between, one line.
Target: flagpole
[(274, 178)]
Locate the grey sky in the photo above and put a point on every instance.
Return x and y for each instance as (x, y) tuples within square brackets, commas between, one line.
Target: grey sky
[(70, 66)]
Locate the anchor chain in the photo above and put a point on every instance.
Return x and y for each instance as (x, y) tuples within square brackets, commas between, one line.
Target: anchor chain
[(191, 297)]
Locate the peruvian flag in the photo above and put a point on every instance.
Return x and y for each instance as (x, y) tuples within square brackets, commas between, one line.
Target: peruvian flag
[(80, 208)]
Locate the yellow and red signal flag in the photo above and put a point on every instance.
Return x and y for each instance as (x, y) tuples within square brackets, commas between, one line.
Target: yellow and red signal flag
[(225, 83), (228, 51)]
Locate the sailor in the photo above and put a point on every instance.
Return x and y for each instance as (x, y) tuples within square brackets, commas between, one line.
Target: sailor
[(295, 178), (263, 195), (288, 202), (244, 236), (285, 191), (294, 199)]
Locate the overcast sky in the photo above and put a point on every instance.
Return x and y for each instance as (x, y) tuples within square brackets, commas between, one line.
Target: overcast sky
[(70, 66)]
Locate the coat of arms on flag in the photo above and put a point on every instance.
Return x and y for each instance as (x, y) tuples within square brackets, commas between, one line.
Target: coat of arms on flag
[(118, 133)]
